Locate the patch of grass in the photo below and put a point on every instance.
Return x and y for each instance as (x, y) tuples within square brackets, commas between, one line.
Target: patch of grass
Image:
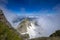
[(7, 34)]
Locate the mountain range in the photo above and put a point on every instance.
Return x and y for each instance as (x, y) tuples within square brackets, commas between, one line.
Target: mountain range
[(7, 32)]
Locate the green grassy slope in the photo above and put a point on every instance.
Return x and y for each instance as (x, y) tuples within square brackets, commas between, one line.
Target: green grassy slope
[(6, 33)]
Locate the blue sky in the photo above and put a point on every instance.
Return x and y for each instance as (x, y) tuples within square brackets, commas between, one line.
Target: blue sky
[(31, 5)]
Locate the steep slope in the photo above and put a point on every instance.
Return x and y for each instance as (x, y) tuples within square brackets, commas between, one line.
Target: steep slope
[(6, 30), (57, 33), (7, 34)]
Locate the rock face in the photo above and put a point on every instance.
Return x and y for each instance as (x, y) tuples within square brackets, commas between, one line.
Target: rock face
[(27, 27), (22, 28), (3, 19)]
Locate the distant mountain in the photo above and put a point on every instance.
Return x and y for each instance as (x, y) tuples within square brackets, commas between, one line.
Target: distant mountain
[(20, 18), (23, 28)]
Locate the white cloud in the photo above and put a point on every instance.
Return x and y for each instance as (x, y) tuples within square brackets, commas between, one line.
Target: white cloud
[(49, 23)]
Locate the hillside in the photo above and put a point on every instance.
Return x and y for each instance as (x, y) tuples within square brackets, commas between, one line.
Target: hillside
[(7, 34), (6, 30), (57, 33)]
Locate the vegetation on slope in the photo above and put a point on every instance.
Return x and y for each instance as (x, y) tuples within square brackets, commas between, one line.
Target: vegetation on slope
[(57, 33), (6, 33)]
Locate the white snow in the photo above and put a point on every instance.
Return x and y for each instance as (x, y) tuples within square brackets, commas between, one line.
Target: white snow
[(31, 31), (35, 31)]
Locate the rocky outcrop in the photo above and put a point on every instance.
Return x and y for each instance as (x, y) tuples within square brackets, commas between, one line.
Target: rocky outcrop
[(56, 34), (3, 19)]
